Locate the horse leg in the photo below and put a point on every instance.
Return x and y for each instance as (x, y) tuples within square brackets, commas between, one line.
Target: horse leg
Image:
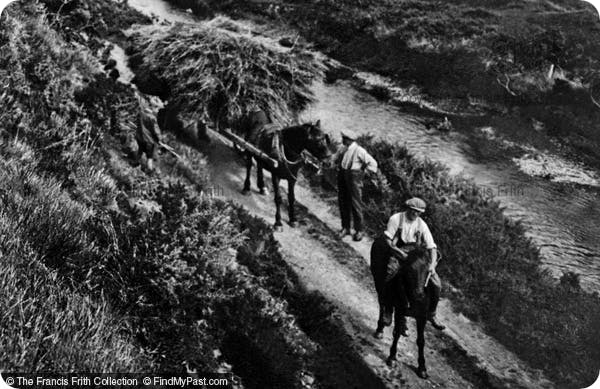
[(246, 189), (399, 322), (291, 202), (421, 370), (260, 180), (275, 179)]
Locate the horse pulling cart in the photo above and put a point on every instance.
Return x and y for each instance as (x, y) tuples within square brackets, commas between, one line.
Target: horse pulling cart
[(246, 146), (249, 147), (282, 151)]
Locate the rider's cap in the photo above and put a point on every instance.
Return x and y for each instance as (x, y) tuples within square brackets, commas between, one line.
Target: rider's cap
[(348, 136), (416, 203)]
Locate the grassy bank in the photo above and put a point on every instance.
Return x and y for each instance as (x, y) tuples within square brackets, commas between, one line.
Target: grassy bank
[(553, 326), (51, 323), (106, 267)]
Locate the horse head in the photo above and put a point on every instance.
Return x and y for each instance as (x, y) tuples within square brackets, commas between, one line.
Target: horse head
[(317, 141), (419, 264)]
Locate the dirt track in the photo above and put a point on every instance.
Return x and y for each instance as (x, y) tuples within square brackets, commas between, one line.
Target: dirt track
[(460, 357)]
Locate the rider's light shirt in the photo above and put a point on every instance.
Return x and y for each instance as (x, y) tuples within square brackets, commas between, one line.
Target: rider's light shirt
[(415, 231)]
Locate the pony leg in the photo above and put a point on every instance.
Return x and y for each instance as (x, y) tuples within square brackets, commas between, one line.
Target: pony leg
[(421, 370), (291, 202), (260, 180), (399, 322), (275, 179), (400, 308), (246, 189), (384, 312)]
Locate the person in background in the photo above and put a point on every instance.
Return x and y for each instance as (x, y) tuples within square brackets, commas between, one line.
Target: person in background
[(147, 135), (352, 163)]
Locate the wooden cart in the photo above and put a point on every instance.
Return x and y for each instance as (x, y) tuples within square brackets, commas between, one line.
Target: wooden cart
[(247, 146)]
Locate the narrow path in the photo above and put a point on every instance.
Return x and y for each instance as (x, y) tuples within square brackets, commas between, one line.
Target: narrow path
[(487, 353), (462, 357)]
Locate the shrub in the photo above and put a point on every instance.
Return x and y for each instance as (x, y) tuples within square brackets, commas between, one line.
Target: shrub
[(495, 267), (48, 327)]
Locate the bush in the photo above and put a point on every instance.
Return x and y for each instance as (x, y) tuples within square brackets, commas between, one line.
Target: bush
[(494, 266), (48, 327)]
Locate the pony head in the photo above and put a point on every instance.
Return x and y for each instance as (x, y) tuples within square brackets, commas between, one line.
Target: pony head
[(318, 142), (418, 276)]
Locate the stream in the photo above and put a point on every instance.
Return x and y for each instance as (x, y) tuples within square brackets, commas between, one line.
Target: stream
[(562, 219)]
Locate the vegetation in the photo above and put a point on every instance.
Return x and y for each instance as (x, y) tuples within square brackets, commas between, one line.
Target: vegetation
[(217, 73), (47, 325), (104, 267), (51, 323), (495, 269)]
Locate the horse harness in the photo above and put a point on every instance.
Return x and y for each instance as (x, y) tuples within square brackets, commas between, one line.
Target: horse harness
[(278, 149)]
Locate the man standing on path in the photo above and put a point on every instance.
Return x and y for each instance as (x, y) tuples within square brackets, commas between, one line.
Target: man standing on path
[(352, 162)]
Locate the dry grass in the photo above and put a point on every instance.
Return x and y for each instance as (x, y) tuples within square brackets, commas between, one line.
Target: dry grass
[(47, 327), (222, 75)]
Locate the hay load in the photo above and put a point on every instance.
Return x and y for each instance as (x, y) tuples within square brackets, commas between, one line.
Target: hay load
[(220, 75)]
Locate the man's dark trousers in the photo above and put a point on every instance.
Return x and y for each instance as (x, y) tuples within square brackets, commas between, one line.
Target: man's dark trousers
[(350, 198)]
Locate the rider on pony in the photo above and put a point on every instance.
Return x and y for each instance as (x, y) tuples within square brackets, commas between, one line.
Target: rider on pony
[(405, 232)]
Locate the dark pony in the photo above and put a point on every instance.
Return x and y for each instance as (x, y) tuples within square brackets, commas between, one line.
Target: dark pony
[(398, 283), (409, 285), (288, 147)]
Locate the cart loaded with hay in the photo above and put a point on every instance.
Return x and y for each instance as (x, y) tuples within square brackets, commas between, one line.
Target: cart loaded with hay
[(224, 77), (215, 73)]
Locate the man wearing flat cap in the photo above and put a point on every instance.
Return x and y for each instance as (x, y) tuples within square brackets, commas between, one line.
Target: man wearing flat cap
[(352, 162), (405, 232)]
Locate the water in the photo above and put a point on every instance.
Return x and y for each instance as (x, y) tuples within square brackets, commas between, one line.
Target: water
[(162, 10), (562, 220)]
